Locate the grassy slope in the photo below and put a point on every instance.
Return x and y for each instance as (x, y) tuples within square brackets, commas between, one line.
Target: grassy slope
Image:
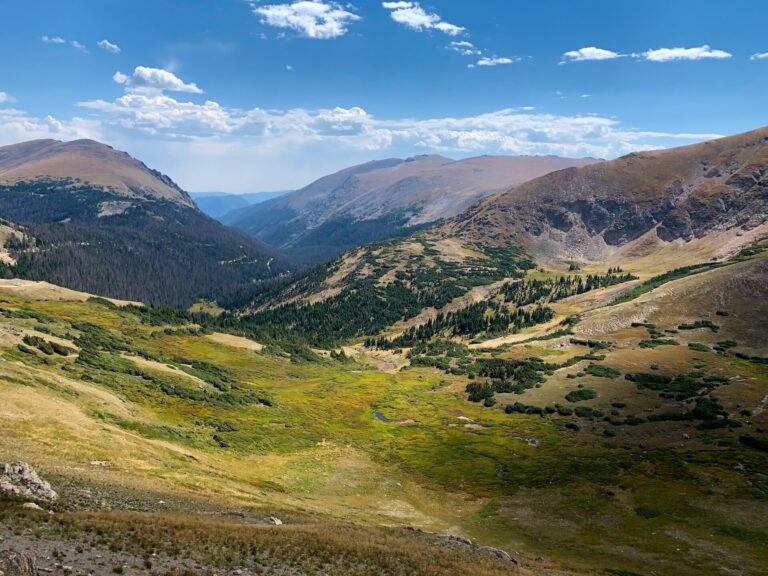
[(644, 501)]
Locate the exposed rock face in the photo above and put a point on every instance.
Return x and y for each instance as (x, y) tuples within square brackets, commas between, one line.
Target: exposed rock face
[(17, 564), (681, 194), (21, 479)]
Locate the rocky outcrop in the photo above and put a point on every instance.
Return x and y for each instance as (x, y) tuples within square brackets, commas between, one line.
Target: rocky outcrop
[(20, 479), (17, 564), (683, 194), (500, 554)]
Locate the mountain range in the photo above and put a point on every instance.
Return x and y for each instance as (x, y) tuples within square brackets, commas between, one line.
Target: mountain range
[(86, 216), (649, 211), (380, 199), (217, 204), (567, 377)]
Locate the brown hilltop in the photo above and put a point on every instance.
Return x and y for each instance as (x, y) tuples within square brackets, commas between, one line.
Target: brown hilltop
[(681, 194), (90, 162)]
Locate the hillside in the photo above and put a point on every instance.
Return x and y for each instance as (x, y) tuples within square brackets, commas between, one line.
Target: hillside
[(90, 163), (631, 442), (646, 213), (90, 218), (634, 205), (384, 198), (218, 204)]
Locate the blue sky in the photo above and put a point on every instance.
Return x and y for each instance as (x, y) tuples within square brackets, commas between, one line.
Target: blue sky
[(239, 95)]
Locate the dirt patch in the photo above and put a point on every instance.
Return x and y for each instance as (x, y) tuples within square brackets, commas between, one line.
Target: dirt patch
[(235, 341), (46, 291)]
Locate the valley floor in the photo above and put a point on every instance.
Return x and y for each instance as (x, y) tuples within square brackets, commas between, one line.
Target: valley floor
[(139, 422)]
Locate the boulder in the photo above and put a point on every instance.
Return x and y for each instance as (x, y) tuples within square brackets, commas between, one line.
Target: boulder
[(498, 553), (17, 564), (274, 521), (20, 479)]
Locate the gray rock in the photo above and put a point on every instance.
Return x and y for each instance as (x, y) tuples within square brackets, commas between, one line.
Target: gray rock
[(21, 479), (498, 553), (17, 564), (32, 506), (274, 521)]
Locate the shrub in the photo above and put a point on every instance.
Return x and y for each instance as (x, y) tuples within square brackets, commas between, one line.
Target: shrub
[(602, 371), (656, 342), (581, 395), (563, 410), (700, 324), (756, 443), (586, 412), (699, 347)]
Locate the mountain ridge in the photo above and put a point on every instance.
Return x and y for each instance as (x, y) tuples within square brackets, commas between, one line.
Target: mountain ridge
[(86, 216), (90, 162), (381, 198)]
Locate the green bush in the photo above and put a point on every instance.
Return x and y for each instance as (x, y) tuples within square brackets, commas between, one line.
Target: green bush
[(581, 395), (699, 347), (602, 371)]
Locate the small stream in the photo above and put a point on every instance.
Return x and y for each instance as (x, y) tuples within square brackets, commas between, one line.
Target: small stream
[(378, 416)]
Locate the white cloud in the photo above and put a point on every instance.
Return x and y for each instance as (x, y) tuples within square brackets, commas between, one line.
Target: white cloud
[(759, 56), (292, 132), (108, 46), (413, 16), (18, 126), (6, 98), (312, 18), (59, 40), (660, 55), (495, 61), (465, 48), (153, 81), (589, 53), (670, 54)]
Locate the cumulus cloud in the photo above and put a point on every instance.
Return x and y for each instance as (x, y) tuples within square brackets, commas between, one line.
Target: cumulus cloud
[(508, 131), (18, 126), (312, 18), (108, 46), (659, 55), (589, 53), (759, 56), (413, 16), (465, 48), (495, 61), (6, 98), (671, 54), (153, 81)]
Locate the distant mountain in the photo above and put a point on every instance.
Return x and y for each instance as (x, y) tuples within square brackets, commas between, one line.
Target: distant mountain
[(383, 198), (647, 213), (87, 161), (629, 207), (217, 204), (91, 218)]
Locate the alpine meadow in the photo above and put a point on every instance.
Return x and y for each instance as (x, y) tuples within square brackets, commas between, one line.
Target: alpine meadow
[(313, 288)]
